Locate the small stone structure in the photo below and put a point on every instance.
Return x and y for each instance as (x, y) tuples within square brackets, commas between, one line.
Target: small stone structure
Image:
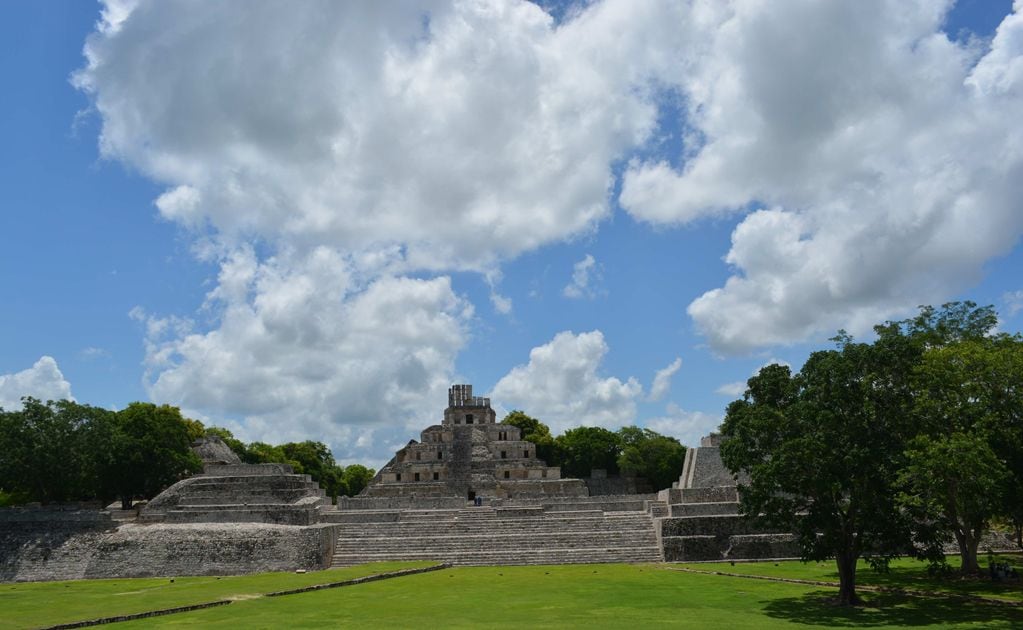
[(213, 451), (704, 522), (239, 493)]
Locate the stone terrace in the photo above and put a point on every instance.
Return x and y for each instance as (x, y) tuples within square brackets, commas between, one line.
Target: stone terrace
[(265, 493), (498, 536)]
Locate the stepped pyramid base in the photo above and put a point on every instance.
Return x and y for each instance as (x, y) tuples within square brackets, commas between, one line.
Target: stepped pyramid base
[(704, 522), (240, 493), (528, 535)]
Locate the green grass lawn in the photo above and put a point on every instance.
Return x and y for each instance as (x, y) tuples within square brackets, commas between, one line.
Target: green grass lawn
[(48, 603), (571, 596), (588, 596), (903, 573)]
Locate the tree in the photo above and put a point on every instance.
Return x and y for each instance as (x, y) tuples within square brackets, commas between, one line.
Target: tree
[(582, 449), (263, 453), (152, 450), (534, 431), (656, 457), (317, 461), (356, 477), (823, 448), (952, 483), (969, 395), (45, 451)]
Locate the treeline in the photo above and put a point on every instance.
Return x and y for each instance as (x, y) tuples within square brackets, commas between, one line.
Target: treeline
[(631, 450), (310, 458), (62, 451), (904, 444)]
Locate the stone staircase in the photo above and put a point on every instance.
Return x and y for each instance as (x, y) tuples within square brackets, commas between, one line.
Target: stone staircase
[(269, 493), (702, 520), (489, 536)]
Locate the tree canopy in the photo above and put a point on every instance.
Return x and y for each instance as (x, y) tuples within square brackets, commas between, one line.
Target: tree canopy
[(648, 454), (914, 437)]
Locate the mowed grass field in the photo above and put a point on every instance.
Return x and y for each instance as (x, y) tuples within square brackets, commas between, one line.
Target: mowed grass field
[(569, 596)]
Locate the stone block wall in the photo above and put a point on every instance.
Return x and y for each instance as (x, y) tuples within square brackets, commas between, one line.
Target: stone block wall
[(52, 546)]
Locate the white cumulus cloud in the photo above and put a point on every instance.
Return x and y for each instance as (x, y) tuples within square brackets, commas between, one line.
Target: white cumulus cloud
[(885, 159), (463, 132), (43, 380), (301, 349), (561, 385), (662, 380)]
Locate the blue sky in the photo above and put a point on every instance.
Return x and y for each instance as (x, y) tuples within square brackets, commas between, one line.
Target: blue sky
[(305, 222)]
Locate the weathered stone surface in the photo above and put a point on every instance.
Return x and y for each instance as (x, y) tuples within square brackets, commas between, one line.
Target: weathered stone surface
[(512, 535), (212, 450), (264, 493), (49, 545), (704, 521)]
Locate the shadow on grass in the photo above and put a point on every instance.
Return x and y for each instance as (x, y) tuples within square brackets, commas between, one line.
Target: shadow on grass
[(952, 582), (890, 609)]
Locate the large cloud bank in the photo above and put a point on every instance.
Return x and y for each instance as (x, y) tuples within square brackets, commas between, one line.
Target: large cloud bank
[(323, 152)]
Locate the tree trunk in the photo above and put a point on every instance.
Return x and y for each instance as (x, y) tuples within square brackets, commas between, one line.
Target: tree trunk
[(125, 503), (847, 579), (968, 543), (1018, 526)]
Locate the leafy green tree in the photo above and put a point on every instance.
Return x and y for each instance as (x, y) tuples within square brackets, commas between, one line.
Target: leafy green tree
[(152, 450), (823, 450), (953, 322), (45, 451), (952, 483), (317, 461), (263, 453), (532, 430), (356, 477), (648, 454), (582, 449), (968, 403)]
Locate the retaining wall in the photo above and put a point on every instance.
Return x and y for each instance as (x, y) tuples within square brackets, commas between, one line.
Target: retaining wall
[(54, 545)]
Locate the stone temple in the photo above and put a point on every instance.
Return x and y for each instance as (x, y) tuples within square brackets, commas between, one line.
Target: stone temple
[(470, 454)]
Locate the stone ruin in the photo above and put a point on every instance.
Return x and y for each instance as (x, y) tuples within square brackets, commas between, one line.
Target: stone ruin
[(212, 451), (703, 522), (470, 491), (470, 454)]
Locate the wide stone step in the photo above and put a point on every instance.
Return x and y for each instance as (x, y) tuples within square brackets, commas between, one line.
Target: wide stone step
[(382, 529), (518, 542), (515, 557), (290, 516), (705, 509), (288, 481)]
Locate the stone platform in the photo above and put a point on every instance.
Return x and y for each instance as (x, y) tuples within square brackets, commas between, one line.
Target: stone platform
[(507, 535), (239, 493), (703, 521)]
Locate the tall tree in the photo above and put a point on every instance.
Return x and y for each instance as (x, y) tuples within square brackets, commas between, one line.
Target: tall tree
[(969, 404), (582, 449), (45, 450), (823, 448), (152, 451), (356, 477), (658, 458), (532, 430)]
